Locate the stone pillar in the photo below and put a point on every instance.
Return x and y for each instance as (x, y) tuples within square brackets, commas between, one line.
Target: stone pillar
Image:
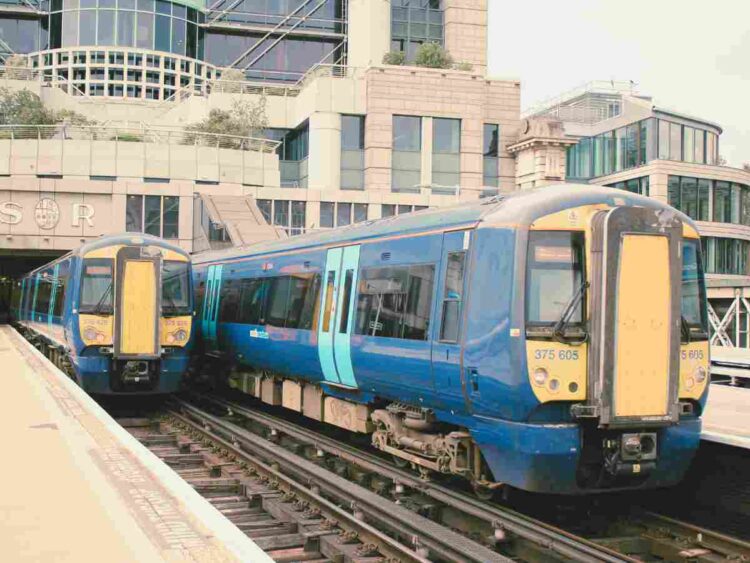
[(466, 32), (369, 32), (324, 160), (425, 178), (540, 153)]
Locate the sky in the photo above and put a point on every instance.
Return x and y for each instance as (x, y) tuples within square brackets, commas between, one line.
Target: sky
[(691, 56)]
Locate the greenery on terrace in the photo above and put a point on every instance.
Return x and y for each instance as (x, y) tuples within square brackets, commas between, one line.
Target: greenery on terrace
[(428, 55)]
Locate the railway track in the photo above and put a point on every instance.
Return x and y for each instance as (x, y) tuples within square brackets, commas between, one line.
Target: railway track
[(638, 536)]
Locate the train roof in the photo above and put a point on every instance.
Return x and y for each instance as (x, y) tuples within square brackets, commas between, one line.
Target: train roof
[(113, 240), (516, 208)]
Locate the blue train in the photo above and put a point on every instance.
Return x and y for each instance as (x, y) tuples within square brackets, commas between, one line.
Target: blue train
[(554, 340), (115, 314)]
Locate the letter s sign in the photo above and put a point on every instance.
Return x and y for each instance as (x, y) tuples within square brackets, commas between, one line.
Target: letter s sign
[(10, 213)]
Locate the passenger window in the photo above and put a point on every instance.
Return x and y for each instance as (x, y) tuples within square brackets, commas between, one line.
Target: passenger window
[(44, 293), (252, 307), (453, 297), (309, 315), (345, 302), (395, 302), (301, 287), (229, 304), (278, 298), (330, 285)]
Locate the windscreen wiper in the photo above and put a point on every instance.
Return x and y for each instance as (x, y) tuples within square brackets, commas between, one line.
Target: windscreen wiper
[(97, 309), (685, 330), (558, 331)]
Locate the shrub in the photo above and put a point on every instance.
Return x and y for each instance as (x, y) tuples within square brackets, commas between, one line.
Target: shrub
[(464, 65), (128, 137), (432, 55), (397, 58), (244, 119)]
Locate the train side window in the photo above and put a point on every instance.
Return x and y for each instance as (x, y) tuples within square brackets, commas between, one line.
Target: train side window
[(44, 294), (229, 303), (308, 318), (277, 301), (63, 273), (300, 290), (328, 307), (453, 296), (253, 301), (199, 296), (395, 302), (345, 302)]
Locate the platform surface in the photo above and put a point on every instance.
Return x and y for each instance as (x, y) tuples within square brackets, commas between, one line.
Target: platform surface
[(74, 486), (727, 416)]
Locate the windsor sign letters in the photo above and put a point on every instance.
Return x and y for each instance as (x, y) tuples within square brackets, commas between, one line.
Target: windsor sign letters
[(46, 213)]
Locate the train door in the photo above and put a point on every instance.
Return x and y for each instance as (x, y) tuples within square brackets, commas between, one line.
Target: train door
[(137, 292), (337, 315), (446, 333), (211, 306)]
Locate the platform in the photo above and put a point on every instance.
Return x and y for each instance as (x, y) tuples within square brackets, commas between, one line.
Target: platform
[(726, 419), (75, 486)]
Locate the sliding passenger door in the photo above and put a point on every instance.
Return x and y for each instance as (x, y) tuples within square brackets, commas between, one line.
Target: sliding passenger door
[(446, 334), (211, 306), (337, 315)]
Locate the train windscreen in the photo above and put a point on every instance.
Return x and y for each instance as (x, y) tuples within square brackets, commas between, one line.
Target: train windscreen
[(96, 287), (175, 289)]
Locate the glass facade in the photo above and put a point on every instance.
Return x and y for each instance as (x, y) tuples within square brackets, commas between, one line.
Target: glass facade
[(634, 185), (147, 24), (731, 201), (407, 153), (637, 144), (352, 152), (446, 155), (391, 209), (725, 256), (414, 22)]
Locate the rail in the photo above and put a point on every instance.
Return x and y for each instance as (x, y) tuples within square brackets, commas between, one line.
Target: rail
[(502, 520), (144, 134)]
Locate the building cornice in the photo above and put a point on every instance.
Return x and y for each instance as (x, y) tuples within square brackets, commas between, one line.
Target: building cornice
[(540, 142)]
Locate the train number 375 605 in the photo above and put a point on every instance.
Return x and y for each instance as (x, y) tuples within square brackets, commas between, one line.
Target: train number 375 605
[(547, 354), (692, 354)]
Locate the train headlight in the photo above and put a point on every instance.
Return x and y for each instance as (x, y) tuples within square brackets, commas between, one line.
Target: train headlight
[(689, 383), (89, 333), (180, 335), (700, 374), (540, 376)]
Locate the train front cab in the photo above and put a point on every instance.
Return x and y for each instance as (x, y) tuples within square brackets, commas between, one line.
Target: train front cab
[(134, 321), (616, 346)]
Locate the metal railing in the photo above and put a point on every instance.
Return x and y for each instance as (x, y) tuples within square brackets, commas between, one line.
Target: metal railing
[(143, 134)]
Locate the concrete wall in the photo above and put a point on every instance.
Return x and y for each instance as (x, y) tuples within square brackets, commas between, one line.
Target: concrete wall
[(466, 32)]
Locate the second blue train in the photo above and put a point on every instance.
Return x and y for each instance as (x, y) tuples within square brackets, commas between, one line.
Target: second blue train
[(554, 340)]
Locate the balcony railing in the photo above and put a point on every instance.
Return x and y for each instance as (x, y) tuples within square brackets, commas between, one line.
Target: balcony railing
[(141, 134)]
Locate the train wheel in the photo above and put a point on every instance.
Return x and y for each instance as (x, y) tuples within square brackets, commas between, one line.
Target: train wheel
[(485, 493)]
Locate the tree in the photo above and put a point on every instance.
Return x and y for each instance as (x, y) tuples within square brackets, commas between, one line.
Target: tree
[(433, 55), (721, 161), (243, 119), (22, 107), (746, 166)]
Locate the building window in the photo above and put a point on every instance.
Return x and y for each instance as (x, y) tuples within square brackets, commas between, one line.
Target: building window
[(446, 155), (290, 215), (725, 256), (352, 152), (634, 185), (161, 26), (341, 214), (414, 22), (293, 153), (154, 215), (731, 202), (407, 153), (390, 209)]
